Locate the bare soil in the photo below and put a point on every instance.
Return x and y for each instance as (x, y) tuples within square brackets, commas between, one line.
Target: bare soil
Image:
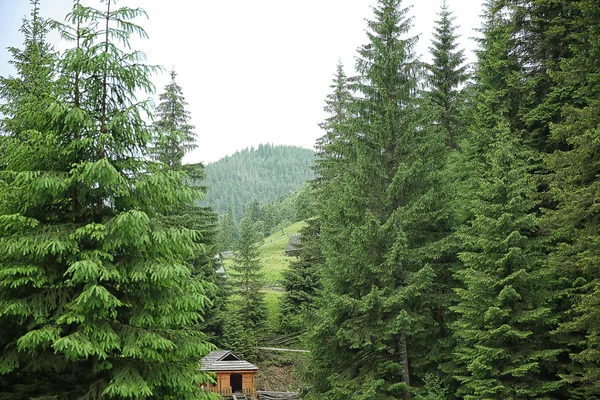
[(277, 372)]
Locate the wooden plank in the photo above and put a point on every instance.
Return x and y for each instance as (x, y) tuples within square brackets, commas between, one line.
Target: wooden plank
[(263, 395), (280, 349)]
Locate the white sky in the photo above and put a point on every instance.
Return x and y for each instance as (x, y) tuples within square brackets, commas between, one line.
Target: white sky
[(253, 71)]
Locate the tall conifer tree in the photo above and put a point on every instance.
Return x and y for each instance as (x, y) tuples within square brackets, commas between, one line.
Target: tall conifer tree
[(447, 72), (302, 281), (96, 284), (247, 276), (28, 95), (574, 187), (174, 136), (381, 216), (173, 139), (335, 145), (504, 316), (227, 236), (444, 99)]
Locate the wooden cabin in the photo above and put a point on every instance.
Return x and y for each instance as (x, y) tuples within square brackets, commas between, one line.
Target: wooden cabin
[(234, 375)]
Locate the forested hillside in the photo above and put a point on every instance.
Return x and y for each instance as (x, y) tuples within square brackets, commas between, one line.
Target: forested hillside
[(261, 174)]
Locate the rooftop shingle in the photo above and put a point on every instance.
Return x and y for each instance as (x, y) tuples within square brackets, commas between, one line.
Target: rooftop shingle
[(225, 360)]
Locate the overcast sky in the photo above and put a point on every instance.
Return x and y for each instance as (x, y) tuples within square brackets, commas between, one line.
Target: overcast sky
[(252, 71)]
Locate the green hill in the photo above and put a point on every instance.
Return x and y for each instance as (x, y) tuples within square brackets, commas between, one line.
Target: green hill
[(262, 174)]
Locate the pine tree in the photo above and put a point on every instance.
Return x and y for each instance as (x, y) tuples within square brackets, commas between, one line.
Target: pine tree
[(246, 277), (447, 73), (174, 135), (503, 347), (95, 283)]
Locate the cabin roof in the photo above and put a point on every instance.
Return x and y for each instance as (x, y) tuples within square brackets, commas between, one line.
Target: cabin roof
[(294, 244), (226, 254), (225, 360)]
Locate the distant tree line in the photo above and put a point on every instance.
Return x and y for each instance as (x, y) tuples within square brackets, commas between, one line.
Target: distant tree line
[(268, 218), (256, 175)]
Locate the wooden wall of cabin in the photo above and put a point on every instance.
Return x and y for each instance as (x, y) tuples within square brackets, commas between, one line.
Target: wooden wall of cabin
[(224, 379), (247, 380)]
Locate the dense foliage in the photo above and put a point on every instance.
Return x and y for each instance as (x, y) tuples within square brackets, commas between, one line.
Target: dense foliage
[(97, 297), (269, 218), (172, 139), (302, 280), (247, 277), (458, 224)]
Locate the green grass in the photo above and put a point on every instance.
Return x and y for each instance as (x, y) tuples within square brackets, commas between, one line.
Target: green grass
[(272, 257), (273, 302)]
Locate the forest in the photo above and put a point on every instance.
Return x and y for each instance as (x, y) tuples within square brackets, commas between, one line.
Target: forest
[(264, 175), (449, 240)]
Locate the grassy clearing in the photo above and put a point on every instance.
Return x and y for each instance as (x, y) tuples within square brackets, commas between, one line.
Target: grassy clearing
[(272, 257), (273, 302)]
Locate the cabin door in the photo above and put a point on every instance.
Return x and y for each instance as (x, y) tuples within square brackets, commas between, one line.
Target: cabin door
[(236, 382)]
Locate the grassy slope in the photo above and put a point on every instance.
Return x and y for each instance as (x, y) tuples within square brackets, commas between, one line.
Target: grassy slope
[(273, 258)]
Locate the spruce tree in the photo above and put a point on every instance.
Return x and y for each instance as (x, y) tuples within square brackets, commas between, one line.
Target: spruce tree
[(335, 145), (301, 281), (173, 139), (238, 336), (95, 283), (227, 236), (382, 221), (246, 276), (504, 317), (25, 99), (174, 136), (445, 100), (446, 74), (27, 96)]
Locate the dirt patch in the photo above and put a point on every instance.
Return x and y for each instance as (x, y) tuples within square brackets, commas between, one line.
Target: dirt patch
[(277, 372)]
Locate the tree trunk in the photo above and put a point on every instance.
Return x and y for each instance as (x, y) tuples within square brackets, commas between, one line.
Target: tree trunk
[(403, 353)]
